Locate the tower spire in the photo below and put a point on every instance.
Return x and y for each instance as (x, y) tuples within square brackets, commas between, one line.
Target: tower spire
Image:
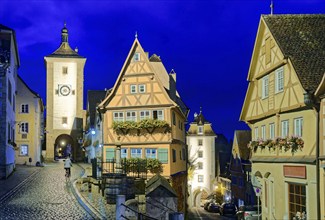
[(272, 7), (64, 34)]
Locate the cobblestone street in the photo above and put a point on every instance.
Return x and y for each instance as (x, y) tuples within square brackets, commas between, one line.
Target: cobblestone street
[(45, 196)]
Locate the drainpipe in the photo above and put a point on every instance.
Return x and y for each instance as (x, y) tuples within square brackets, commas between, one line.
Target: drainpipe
[(310, 102)]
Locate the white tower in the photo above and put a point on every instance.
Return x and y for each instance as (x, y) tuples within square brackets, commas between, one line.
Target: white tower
[(64, 100)]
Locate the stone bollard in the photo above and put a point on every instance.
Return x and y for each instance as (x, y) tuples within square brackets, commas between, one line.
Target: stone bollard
[(120, 209)]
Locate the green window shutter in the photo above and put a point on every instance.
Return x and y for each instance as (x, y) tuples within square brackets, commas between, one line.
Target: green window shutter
[(110, 153), (163, 155)]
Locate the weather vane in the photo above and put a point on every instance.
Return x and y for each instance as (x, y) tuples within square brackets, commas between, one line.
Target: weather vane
[(136, 34), (271, 6)]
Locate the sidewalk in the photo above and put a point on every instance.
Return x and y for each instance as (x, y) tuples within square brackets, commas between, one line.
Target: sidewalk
[(21, 174)]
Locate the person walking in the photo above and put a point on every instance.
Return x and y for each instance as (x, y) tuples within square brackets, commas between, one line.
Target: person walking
[(67, 166)]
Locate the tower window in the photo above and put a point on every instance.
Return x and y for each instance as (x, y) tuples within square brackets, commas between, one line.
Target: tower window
[(65, 70), (137, 57), (64, 121)]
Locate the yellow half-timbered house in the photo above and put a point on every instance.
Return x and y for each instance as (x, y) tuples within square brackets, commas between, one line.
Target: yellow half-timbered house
[(282, 108), (145, 93)]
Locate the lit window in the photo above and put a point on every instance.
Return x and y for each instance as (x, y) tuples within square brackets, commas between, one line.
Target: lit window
[(284, 128), (200, 142), (200, 154), (118, 116), (298, 122), (133, 89), (136, 153), (200, 178), (200, 129), (24, 108), (64, 121), (142, 88), (151, 153), (24, 127), (136, 57), (279, 80), (144, 115), (158, 114), (124, 153), (23, 150), (131, 116), (265, 87), (272, 131)]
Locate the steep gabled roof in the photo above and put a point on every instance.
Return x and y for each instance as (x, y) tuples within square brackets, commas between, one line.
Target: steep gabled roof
[(301, 38), (243, 137), (158, 186)]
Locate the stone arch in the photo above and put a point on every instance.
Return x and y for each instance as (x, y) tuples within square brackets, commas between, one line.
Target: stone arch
[(199, 195), (258, 174), (63, 146), (267, 174)]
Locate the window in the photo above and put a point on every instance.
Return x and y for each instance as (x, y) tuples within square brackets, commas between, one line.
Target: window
[(183, 154), (142, 88), (64, 121), (174, 155), (124, 152), (23, 150), (163, 155), (133, 89), (151, 153), (200, 165), (263, 132), (271, 127), (174, 118), (144, 115), (136, 153), (65, 70), (9, 91), (265, 87), (200, 142), (200, 129), (24, 108), (131, 116), (279, 82), (298, 122), (158, 114), (297, 199), (200, 154), (118, 116), (200, 178), (136, 57), (284, 128), (256, 133), (24, 127), (110, 154)]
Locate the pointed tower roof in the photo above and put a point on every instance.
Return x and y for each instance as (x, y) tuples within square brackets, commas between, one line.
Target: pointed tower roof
[(65, 50), (199, 120)]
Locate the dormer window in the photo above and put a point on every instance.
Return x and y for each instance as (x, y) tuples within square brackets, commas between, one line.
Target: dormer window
[(136, 57), (200, 129)]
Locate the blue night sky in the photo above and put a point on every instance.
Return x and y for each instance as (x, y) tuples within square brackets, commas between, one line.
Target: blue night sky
[(208, 43)]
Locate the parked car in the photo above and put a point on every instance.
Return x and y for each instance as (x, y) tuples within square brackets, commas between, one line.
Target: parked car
[(214, 207), (249, 212), (207, 203), (228, 209)]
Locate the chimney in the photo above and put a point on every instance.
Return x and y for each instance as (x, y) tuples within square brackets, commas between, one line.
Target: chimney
[(172, 85)]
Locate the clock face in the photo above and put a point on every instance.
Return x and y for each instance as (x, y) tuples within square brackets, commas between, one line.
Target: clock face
[(64, 90)]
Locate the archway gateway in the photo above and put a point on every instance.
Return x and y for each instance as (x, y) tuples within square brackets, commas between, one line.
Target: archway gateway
[(63, 146)]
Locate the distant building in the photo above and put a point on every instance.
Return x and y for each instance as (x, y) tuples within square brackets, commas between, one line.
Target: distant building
[(200, 139), (144, 116), (64, 101), (282, 108), (93, 131), (9, 64), (30, 121), (240, 170)]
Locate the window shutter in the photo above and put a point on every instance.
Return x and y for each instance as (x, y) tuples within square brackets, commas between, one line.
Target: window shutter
[(110, 154), (163, 155)]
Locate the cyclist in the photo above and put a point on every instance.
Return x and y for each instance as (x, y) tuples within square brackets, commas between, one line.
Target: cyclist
[(67, 166)]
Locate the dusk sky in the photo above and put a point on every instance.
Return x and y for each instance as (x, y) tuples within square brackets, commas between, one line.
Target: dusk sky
[(208, 43)]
